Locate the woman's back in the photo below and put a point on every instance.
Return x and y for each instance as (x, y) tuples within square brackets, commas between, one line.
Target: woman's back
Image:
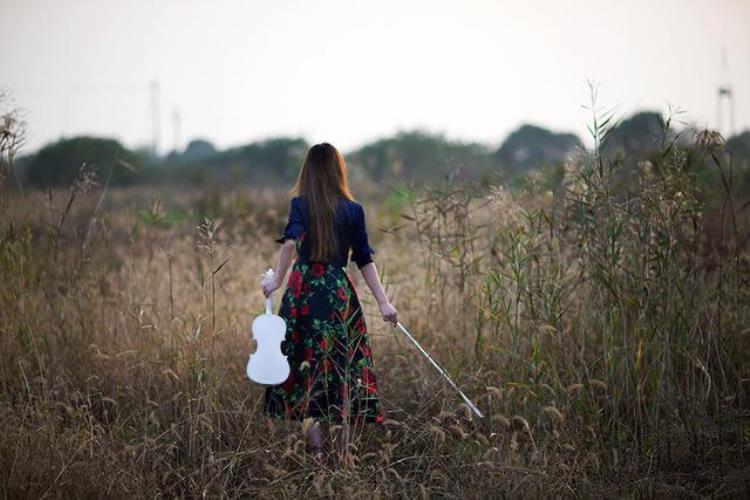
[(349, 227)]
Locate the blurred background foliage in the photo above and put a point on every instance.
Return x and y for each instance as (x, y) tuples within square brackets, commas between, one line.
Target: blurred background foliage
[(413, 156)]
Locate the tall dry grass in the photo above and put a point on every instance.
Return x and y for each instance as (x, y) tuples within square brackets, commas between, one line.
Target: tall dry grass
[(601, 328)]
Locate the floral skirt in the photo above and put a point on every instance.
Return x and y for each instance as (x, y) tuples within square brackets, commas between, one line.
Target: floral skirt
[(332, 373)]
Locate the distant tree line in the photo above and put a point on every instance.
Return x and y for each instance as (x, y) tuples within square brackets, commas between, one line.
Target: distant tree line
[(408, 155), (59, 163)]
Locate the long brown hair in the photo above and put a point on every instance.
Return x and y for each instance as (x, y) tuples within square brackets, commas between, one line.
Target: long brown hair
[(322, 180)]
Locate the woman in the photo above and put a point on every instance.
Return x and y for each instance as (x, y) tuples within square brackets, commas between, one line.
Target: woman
[(332, 376)]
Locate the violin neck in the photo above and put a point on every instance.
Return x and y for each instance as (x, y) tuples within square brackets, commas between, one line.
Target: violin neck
[(269, 305)]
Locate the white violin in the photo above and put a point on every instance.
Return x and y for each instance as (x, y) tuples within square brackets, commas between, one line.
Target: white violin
[(268, 365)]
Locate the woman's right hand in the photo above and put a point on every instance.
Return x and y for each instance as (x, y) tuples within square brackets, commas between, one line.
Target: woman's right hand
[(271, 287), (389, 313)]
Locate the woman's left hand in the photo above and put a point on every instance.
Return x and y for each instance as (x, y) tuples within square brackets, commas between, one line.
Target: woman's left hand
[(269, 288)]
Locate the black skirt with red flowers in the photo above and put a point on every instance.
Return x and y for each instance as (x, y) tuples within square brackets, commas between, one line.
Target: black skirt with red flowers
[(328, 350)]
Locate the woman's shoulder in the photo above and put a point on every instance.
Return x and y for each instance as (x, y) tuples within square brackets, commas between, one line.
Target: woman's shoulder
[(297, 201), (297, 204), (352, 203), (354, 209)]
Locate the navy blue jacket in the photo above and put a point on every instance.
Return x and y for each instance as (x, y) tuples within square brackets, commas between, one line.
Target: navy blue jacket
[(349, 227)]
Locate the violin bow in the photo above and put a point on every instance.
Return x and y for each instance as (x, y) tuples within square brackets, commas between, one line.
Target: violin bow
[(442, 372)]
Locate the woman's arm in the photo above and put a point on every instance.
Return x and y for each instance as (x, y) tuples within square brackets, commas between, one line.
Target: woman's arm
[(370, 274), (287, 253)]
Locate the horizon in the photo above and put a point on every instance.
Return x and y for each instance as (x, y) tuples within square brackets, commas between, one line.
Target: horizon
[(585, 140), (211, 81)]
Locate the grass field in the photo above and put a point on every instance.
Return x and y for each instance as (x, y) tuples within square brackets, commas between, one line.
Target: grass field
[(603, 328)]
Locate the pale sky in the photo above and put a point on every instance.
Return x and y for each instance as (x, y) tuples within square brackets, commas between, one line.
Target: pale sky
[(349, 72)]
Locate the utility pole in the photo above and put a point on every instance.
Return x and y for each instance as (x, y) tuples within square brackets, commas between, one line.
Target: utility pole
[(177, 129), (725, 98), (155, 118)]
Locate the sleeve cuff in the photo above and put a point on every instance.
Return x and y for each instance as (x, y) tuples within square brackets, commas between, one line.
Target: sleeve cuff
[(363, 262), (288, 236), (363, 258)]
